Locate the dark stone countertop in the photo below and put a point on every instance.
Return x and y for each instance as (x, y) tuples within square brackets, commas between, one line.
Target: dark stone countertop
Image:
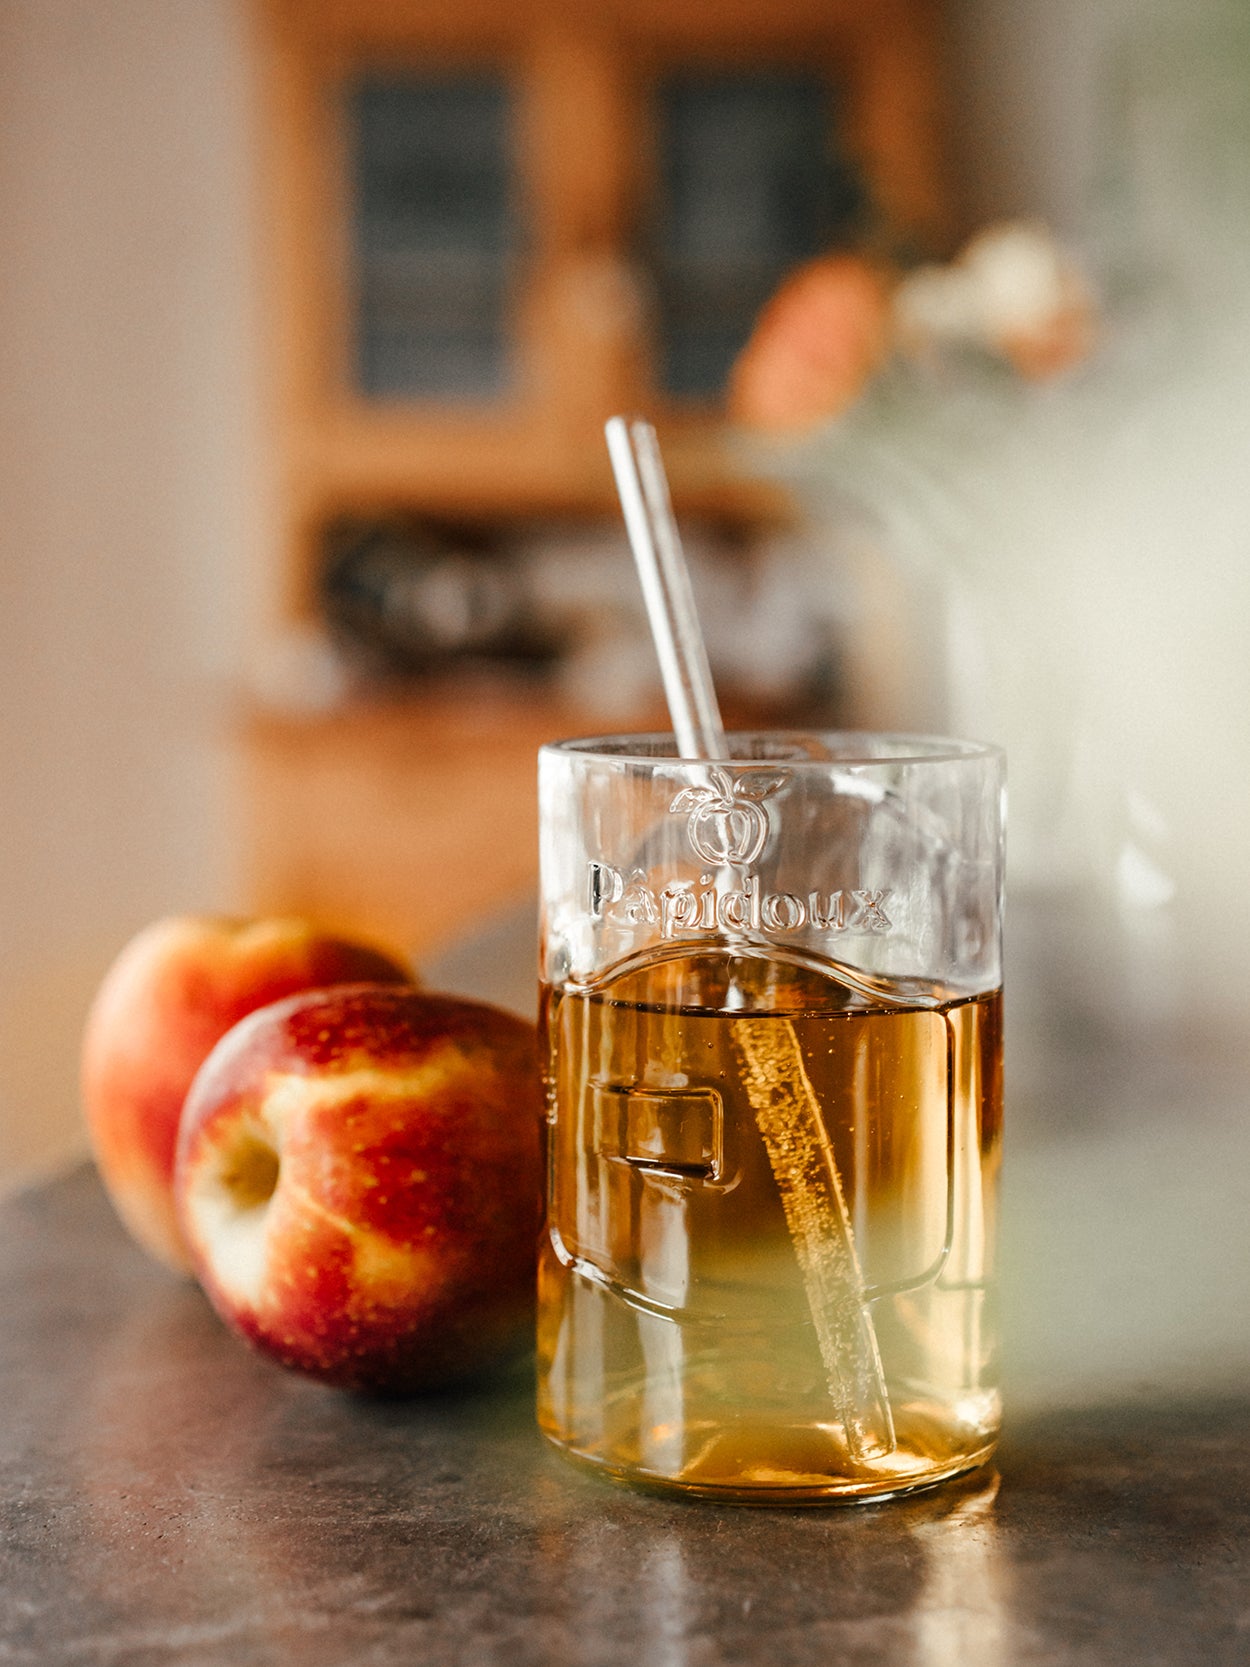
[(169, 1497)]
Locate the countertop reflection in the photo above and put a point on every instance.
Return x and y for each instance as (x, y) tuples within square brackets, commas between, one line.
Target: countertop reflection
[(169, 1497)]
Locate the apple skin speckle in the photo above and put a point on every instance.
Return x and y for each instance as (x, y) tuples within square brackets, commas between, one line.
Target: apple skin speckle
[(397, 1251)]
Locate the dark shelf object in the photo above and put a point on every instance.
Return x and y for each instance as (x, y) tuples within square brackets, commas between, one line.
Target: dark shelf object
[(410, 598)]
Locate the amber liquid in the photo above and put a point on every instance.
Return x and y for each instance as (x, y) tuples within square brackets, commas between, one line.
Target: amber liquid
[(767, 1273)]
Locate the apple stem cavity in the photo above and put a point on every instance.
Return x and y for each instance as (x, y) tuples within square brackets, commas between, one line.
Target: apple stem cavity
[(229, 1203), (250, 1170)]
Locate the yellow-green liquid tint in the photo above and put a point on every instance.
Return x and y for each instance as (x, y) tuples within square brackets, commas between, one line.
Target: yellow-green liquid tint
[(767, 1272)]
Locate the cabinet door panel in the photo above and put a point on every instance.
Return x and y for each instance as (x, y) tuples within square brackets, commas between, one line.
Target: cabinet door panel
[(752, 179), (434, 234)]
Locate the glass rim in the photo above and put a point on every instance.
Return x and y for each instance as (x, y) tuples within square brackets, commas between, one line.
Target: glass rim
[(849, 749)]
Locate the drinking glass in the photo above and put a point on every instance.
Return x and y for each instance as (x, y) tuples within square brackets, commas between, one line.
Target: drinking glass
[(773, 1045)]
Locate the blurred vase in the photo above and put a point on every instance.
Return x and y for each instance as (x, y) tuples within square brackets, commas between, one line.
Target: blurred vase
[(1090, 539)]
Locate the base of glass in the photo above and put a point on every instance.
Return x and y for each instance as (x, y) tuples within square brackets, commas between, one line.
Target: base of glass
[(799, 1490)]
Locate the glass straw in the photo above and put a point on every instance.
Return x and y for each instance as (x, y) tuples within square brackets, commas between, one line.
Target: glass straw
[(665, 578), (786, 1109)]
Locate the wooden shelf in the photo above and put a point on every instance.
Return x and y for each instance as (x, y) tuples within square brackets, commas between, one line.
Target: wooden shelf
[(471, 462)]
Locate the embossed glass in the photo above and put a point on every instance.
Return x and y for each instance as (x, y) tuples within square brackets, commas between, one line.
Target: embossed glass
[(772, 1018)]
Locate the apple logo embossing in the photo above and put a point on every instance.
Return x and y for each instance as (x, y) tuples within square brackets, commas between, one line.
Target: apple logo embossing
[(728, 818)]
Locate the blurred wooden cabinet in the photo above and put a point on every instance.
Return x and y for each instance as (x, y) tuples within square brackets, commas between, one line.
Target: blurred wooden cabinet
[(486, 226)]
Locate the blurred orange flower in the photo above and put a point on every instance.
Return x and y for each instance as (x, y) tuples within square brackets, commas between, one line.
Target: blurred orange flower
[(814, 346)]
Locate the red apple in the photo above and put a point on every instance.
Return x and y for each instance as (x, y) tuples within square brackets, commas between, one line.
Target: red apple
[(171, 994), (359, 1182)]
